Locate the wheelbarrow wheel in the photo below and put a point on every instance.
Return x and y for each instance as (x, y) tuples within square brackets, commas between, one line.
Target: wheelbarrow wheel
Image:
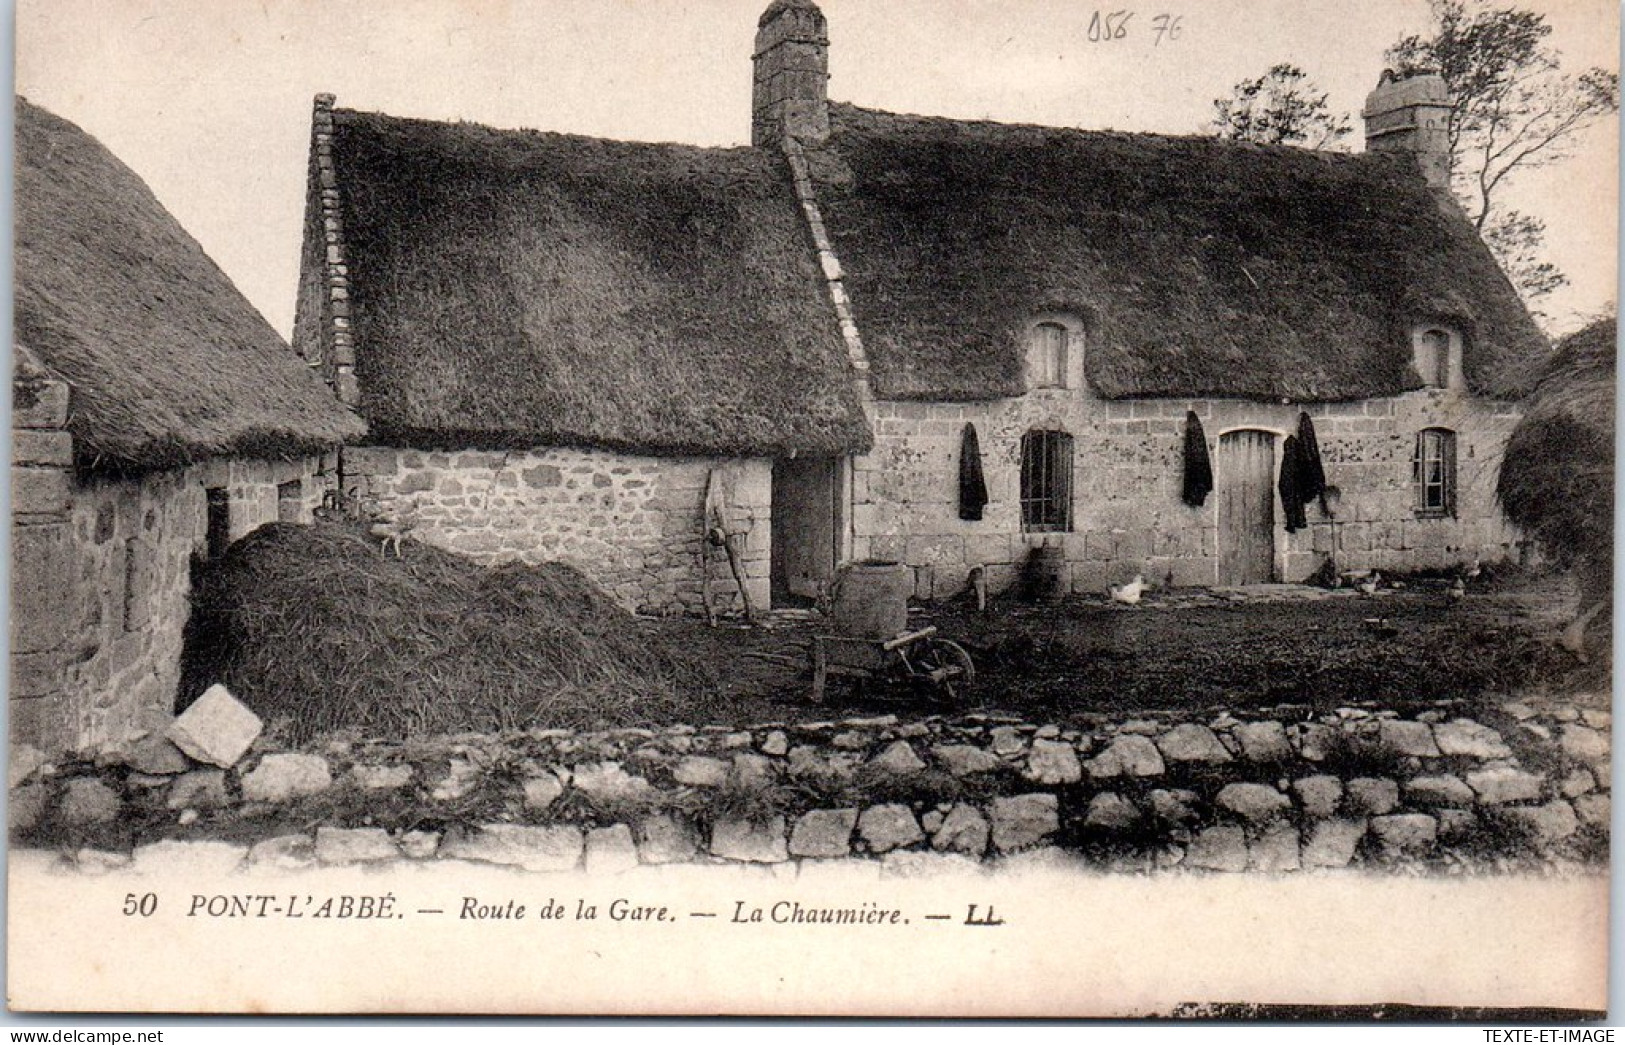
[(947, 665)]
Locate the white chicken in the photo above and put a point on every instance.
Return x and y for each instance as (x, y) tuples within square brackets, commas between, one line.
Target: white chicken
[(1370, 584), (1127, 594)]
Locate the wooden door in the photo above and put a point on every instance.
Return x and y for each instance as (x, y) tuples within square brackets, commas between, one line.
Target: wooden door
[(806, 512), (1245, 482)]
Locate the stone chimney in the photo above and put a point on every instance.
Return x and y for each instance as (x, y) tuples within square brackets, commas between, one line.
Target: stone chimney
[(1412, 115), (790, 98)]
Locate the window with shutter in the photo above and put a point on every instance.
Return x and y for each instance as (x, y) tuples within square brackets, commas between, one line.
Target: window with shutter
[(1047, 349), (1435, 355)]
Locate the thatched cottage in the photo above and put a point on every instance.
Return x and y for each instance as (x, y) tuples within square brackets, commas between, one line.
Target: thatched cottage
[(155, 417), (935, 341)]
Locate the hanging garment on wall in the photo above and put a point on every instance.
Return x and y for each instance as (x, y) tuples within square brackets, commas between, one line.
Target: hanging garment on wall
[(972, 486), (1198, 466), (1311, 473), (1291, 484)]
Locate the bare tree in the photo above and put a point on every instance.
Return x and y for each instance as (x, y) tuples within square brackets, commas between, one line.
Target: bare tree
[(1282, 107)]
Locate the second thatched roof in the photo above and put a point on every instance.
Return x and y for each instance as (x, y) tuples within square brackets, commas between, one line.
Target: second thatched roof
[(166, 361), (1557, 478)]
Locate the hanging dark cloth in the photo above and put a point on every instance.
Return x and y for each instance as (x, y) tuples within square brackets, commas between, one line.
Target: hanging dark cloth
[(1311, 473), (1198, 466), (1291, 485), (972, 487)]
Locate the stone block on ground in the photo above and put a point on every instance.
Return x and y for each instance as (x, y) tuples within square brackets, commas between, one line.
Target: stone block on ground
[(1333, 843), (1372, 796), (1584, 743), (1414, 739), (1176, 807), (607, 784), (1053, 762), (552, 848), (357, 845), (1441, 790), (1405, 832), (1127, 755), (824, 833), (24, 807), (889, 826), (1594, 809), (156, 754), (1463, 736), (966, 759), (898, 759), (1275, 850), (1255, 802), (1319, 795), (1544, 824), (1263, 741), (700, 771), (963, 830), (284, 777), (542, 791), (1110, 811), (752, 771), (199, 789), (1007, 740), (1192, 742), (87, 800), (217, 728), (1501, 784), (1222, 847), (610, 850), (666, 839), (750, 841), (1020, 821)]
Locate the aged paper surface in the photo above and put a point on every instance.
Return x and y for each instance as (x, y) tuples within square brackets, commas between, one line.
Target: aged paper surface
[(1049, 939)]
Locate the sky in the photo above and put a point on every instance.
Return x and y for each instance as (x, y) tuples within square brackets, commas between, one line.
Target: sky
[(209, 100)]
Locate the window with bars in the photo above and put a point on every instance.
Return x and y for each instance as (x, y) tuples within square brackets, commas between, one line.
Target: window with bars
[(1433, 472), (1046, 481), (1046, 356)]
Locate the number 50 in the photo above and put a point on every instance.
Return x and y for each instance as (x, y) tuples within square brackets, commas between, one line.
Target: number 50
[(144, 905)]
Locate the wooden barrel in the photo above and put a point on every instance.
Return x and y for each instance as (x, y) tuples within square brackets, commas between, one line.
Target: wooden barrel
[(871, 599)]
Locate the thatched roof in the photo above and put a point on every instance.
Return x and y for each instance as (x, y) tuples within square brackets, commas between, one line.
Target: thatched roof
[(167, 362), (1200, 267), (515, 288), (1557, 478)]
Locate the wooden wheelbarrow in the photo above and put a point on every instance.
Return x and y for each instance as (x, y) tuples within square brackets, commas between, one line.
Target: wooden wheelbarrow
[(917, 659)]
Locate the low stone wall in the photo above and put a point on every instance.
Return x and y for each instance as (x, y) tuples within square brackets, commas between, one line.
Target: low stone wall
[(1353, 788), (631, 523), (1127, 472)]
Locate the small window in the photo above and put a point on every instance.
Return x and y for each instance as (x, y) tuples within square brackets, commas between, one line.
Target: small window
[(1433, 354), (1047, 356), (218, 532), (1433, 472), (1046, 481), (290, 502)]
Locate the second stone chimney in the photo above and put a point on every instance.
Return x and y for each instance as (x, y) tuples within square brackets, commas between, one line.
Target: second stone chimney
[(790, 98), (1412, 115)]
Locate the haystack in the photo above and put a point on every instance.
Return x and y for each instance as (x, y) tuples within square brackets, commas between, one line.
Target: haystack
[(313, 626), (1557, 479), (168, 363)]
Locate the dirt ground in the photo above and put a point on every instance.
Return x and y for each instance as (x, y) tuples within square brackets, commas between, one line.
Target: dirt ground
[(1285, 649)]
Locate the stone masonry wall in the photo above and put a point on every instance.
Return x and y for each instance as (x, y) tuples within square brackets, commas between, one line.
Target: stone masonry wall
[(120, 578), (1127, 470), (631, 523)]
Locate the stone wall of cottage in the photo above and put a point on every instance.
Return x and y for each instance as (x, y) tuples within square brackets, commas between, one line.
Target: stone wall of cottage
[(631, 523), (102, 578), (1128, 517)]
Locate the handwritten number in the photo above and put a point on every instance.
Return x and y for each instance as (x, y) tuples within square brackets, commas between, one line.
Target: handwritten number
[(1166, 26)]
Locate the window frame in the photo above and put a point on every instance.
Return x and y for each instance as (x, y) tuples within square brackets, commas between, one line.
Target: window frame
[(1045, 490), (1446, 352), (1041, 336), (1434, 446)]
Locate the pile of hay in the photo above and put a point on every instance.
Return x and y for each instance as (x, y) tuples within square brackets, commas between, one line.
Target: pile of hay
[(312, 624), (1557, 478)]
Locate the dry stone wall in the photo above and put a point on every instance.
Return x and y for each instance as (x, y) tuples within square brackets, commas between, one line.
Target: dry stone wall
[(1127, 473), (632, 524)]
